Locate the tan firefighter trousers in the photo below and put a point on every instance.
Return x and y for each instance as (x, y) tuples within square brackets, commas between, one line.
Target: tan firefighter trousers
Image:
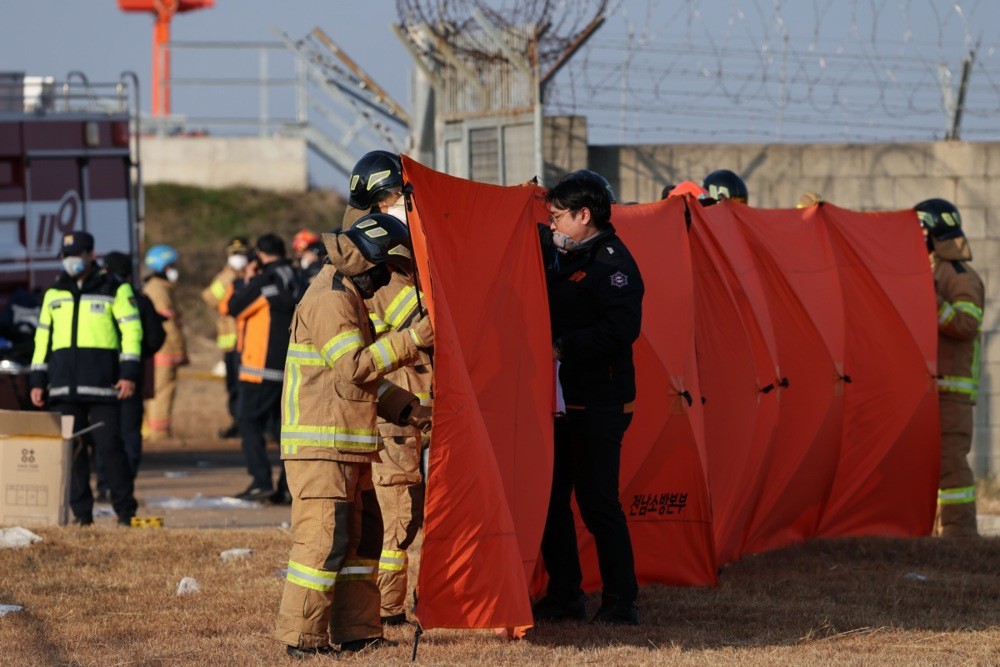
[(160, 407), (957, 489), (400, 490), (330, 592)]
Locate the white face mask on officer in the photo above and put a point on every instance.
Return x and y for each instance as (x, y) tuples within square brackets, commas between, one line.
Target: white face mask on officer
[(172, 274), (237, 262), (74, 266)]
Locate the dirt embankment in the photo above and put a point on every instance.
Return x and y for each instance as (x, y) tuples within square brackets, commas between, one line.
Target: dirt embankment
[(200, 222)]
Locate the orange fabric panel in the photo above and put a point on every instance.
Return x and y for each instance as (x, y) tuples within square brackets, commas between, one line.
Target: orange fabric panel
[(736, 369), (805, 448), (890, 457), (490, 468)]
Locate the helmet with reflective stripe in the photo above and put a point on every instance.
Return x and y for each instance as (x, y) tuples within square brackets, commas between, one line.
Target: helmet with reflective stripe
[(375, 172), (593, 176), (383, 239), (159, 257), (940, 218), (725, 184)]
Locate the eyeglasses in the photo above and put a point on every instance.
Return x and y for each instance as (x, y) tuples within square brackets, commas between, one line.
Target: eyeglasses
[(555, 218)]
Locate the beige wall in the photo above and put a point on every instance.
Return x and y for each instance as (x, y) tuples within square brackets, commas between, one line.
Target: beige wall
[(277, 163), (861, 177)]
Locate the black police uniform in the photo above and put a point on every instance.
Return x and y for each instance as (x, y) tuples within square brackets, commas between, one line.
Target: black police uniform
[(595, 304)]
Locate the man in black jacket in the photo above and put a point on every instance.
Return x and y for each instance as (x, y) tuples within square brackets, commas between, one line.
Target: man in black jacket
[(263, 309), (595, 304)]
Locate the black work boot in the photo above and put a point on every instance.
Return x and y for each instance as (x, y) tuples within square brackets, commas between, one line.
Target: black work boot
[(617, 614), (553, 609), (301, 653), (358, 645), (395, 619)]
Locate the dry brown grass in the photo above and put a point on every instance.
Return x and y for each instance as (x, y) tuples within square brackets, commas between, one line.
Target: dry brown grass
[(107, 597)]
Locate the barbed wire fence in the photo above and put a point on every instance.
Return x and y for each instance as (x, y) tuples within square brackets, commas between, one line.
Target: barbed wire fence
[(773, 70)]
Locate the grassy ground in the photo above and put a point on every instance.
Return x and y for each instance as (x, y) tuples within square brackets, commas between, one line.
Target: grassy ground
[(104, 596)]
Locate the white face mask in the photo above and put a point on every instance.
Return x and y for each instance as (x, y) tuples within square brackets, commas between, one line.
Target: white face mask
[(172, 274), (73, 266), (305, 262), (237, 262), (398, 210)]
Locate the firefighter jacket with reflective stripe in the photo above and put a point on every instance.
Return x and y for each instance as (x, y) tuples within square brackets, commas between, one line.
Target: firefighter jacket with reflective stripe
[(960, 298), (89, 336), (595, 304), (161, 292), (334, 374), (394, 308), (215, 297), (263, 310)]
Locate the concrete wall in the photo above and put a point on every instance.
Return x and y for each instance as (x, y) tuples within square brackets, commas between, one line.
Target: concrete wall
[(862, 177), (268, 163)]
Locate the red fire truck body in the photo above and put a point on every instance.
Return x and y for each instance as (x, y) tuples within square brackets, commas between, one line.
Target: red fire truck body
[(67, 162)]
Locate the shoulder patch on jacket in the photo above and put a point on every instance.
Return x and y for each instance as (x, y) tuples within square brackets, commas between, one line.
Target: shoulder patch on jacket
[(618, 279), (958, 266)]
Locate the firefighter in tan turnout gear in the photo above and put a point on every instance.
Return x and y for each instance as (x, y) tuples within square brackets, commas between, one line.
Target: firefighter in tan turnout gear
[(334, 390), (376, 185), (960, 317)]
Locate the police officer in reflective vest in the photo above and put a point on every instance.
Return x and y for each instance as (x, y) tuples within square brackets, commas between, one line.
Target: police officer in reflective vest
[(334, 388), (595, 303), (960, 297), (87, 352)]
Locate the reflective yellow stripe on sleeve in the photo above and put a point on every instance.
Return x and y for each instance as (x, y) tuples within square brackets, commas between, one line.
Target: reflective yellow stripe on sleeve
[(217, 289), (957, 496), (384, 356), (400, 307), (340, 345), (969, 308), (945, 314)]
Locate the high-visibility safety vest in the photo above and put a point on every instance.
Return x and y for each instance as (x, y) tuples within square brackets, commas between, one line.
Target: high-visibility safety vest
[(960, 296), (88, 338)]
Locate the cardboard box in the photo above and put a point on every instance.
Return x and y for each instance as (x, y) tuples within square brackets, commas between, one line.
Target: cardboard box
[(35, 463)]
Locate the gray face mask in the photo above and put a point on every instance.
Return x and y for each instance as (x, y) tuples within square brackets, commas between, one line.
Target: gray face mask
[(564, 243), (73, 266)]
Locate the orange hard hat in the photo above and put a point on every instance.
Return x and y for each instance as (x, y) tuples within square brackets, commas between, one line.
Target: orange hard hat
[(302, 239), (688, 188)]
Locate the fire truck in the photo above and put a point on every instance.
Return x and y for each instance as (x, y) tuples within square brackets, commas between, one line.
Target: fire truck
[(69, 160)]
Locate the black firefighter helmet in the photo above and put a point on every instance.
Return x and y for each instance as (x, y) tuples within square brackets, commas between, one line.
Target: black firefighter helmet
[(940, 218), (725, 184), (375, 172), (383, 239)]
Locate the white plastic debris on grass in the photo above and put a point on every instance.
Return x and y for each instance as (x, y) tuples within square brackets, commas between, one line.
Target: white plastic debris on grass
[(188, 586), (17, 537), (103, 509), (230, 555), (9, 609), (200, 502), (914, 576)]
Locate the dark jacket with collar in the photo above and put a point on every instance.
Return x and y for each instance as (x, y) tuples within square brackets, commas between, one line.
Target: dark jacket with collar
[(595, 305)]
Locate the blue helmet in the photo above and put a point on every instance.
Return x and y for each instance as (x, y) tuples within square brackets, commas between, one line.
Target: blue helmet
[(159, 257)]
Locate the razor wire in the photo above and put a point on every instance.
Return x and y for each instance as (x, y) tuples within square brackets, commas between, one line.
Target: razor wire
[(773, 70)]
